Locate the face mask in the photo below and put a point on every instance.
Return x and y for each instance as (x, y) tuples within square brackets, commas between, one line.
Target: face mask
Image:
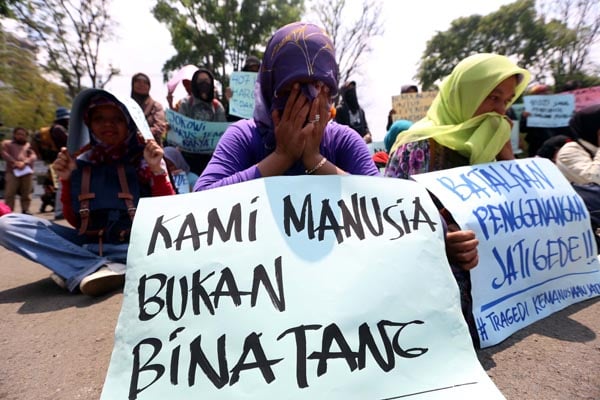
[(204, 88)]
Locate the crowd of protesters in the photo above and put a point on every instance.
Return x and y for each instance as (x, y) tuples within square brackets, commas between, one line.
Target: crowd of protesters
[(295, 130)]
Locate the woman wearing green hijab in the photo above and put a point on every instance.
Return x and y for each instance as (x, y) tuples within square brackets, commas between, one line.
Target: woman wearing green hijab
[(465, 124)]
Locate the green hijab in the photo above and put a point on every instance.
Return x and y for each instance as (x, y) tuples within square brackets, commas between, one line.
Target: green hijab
[(449, 120)]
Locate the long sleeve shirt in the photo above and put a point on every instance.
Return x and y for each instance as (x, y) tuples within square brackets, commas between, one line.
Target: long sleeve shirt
[(577, 164), (241, 147)]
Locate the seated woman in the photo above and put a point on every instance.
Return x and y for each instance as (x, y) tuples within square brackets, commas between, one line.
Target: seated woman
[(579, 159), (290, 133), (465, 125), (101, 188)]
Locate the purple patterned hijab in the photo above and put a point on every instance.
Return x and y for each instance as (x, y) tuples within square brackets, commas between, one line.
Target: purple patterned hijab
[(297, 51)]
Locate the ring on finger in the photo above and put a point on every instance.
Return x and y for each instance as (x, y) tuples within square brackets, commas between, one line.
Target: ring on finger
[(316, 119)]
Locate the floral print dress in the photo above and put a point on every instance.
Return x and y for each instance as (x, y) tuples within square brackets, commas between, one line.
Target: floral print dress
[(409, 159)]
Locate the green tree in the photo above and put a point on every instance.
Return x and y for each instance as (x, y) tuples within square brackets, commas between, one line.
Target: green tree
[(351, 37), (70, 33), (26, 98), (220, 34), (514, 30), (546, 47), (573, 28)]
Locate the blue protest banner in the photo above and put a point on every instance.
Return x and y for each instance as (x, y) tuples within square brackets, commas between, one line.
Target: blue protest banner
[(537, 252), (192, 135)]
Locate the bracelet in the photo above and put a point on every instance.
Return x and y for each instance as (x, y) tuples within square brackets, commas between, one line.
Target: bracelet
[(316, 167)]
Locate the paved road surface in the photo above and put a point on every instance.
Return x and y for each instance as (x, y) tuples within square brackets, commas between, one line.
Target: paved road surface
[(54, 345)]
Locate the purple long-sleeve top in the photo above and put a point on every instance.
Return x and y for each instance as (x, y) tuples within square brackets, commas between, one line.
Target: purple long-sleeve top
[(242, 146)]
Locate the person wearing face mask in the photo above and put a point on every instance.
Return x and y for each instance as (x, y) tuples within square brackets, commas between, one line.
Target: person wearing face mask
[(290, 132), (19, 157), (466, 123), (202, 104), (350, 113)]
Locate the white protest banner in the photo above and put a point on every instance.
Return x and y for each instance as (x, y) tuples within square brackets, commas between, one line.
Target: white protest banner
[(537, 253), (586, 97), (412, 106), (137, 114), (292, 287), (242, 86), (192, 135), (549, 110)]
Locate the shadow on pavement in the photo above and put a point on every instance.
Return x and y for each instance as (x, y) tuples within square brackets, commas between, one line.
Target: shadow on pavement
[(557, 326), (45, 296)]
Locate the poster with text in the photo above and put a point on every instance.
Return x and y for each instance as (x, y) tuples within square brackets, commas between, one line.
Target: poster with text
[(412, 106), (192, 135), (537, 252), (293, 288), (242, 100), (549, 110)]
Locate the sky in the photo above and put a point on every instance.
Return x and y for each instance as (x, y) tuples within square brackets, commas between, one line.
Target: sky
[(144, 45)]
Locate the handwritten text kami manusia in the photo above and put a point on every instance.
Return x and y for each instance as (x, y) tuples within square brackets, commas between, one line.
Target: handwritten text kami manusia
[(358, 217)]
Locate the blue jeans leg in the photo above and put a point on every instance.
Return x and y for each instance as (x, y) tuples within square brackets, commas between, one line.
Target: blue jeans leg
[(56, 247)]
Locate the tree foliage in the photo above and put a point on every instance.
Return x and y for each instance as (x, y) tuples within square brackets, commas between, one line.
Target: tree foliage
[(220, 34), (573, 26), (70, 33), (351, 37), (548, 47), (26, 98)]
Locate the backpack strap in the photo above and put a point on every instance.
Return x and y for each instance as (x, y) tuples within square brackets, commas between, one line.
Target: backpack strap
[(125, 194), (84, 199)]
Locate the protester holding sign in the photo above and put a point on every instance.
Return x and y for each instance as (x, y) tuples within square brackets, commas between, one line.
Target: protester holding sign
[(153, 110), (203, 106), (290, 133), (102, 184), (466, 124)]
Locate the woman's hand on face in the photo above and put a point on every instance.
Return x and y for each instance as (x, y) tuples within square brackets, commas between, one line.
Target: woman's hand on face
[(64, 164), (318, 118), (290, 132), (153, 154)]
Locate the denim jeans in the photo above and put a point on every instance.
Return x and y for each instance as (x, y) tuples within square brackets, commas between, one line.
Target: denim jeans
[(57, 247)]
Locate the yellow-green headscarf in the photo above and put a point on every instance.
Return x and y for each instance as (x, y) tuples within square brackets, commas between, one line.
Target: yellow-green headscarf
[(449, 120)]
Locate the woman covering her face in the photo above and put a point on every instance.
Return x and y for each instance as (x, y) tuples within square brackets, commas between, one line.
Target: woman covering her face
[(291, 132), (465, 124)]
